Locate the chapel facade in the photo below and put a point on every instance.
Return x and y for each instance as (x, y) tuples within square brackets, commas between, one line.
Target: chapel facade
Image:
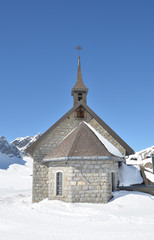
[(77, 159)]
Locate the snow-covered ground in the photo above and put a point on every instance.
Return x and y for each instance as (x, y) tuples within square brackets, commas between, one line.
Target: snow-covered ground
[(129, 215), (16, 179), (6, 160), (143, 159)]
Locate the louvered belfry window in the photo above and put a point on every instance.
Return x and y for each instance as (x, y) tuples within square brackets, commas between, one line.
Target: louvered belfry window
[(80, 113), (79, 97), (58, 183)]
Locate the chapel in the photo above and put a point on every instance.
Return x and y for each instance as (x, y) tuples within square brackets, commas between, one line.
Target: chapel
[(77, 159)]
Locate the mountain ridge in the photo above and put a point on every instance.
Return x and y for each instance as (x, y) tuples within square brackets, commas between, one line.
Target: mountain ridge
[(14, 152), (24, 142)]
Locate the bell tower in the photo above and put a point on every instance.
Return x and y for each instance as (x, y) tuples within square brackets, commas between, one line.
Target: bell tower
[(79, 91)]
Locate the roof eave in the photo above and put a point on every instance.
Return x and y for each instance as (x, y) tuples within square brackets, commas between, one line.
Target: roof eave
[(112, 158)]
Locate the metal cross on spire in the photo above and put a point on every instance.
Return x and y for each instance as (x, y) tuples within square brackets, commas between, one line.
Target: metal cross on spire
[(78, 48)]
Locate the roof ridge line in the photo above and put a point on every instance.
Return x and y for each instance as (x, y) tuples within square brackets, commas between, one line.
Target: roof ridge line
[(74, 143), (98, 139)]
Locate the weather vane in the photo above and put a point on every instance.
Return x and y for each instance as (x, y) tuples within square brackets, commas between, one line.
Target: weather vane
[(78, 48)]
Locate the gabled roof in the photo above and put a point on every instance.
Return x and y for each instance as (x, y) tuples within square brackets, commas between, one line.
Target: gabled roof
[(80, 142), (129, 150)]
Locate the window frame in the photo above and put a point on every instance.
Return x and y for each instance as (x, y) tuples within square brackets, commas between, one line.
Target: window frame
[(56, 184), (113, 181)]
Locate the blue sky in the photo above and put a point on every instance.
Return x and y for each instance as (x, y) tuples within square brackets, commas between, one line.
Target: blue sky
[(38, 64)]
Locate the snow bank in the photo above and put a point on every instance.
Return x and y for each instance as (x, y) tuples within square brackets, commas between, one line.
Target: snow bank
[(149, 176), (110, 147), (6, 161), (144, 159), (129, 175), (133, 212), (17, 178)]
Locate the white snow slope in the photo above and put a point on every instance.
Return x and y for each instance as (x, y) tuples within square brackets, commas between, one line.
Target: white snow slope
[(129, 215), (143, 158), (129, 175), (6, 161)]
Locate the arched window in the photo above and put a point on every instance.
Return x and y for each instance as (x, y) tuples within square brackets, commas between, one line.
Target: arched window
[(59, 183), (113, 181), (79, 96)]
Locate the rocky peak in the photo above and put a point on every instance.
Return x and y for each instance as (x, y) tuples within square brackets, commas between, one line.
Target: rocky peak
[(24, 142), (8, 148)]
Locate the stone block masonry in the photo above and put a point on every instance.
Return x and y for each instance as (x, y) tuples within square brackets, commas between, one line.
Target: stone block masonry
[(83, 180), (40, 181)]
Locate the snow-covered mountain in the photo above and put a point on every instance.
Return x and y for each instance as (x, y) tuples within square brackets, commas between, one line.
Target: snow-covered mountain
[(13, 153), (24, 142), (142, 158), (141, 155), (8, 148)]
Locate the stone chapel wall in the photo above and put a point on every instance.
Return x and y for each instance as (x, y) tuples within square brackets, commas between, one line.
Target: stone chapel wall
[(83, 180)]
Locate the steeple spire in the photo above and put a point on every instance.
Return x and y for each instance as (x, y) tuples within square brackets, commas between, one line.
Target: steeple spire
[(79, 91)]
